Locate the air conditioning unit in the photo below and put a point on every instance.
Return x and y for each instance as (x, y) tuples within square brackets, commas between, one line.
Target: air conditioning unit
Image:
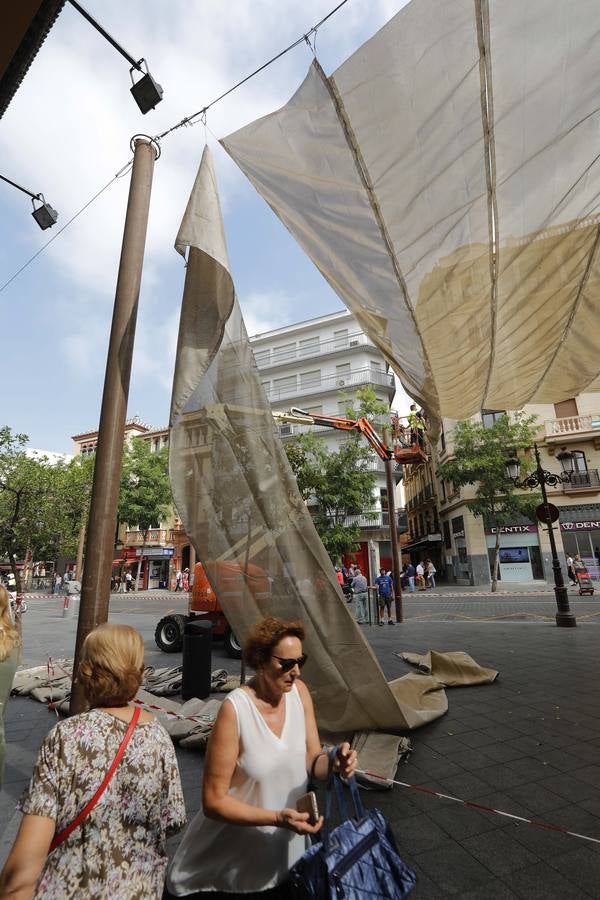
[(341, 382), (354, 343), (285, 430)]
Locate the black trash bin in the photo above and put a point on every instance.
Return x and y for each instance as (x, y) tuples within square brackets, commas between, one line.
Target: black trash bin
[(197, 639)]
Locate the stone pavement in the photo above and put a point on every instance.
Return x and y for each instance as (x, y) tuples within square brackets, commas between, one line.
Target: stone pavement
[(529, 744)]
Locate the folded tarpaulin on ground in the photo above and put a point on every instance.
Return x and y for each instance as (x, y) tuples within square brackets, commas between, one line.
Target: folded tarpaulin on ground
[(452, 668)]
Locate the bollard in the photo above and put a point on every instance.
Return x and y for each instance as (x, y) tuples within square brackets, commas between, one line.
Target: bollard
[(196, 663)]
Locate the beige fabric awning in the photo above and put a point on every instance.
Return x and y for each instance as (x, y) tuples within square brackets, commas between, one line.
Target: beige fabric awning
[(445, 181)]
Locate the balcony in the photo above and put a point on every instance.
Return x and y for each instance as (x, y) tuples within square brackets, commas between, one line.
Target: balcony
[(156, 536), (270, 359), (583, 481), (377, 518), (330, 383), (573, 428)]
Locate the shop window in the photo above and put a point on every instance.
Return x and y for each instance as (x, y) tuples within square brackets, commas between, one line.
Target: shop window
[(490, 416), (565, 409)]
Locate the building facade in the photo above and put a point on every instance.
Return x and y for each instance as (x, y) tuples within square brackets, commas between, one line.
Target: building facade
[(318, 365), (440, 519), (167, 548)]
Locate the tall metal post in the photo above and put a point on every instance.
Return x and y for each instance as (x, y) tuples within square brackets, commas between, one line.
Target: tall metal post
[(95, 593), (389, 478), (564, 617)]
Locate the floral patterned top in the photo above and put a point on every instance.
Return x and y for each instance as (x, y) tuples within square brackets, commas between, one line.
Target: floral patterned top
[(118, 851)]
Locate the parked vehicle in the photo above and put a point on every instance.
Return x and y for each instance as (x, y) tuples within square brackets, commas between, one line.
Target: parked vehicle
[(232, 578)]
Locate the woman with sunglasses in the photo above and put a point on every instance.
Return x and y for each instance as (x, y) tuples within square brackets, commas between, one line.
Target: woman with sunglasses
[(249, 834)]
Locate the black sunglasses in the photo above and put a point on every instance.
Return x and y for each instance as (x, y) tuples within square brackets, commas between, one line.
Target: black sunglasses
[(288, 664)]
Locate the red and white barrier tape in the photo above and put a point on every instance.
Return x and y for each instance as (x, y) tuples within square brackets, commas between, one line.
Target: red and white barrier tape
[(487, 809)]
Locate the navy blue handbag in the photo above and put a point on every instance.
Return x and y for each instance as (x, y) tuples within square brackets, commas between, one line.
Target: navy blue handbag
[(358, 859)]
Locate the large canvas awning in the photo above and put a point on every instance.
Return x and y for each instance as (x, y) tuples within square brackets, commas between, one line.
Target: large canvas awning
[(445, 181)]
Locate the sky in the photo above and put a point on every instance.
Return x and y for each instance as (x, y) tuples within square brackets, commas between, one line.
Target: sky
[(67, 132)]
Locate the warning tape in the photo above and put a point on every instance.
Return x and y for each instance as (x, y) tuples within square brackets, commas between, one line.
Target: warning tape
[(488, 809)]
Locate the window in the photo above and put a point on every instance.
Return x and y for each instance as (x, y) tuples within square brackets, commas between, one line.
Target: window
[(458, 526), (383, 498), (340, 338), (267, 386), (443, 440), (285, 385), (310, 379), (376, 365), (447, 540), (443, 487), (489, 416), (566, 408), (262, 357), (308, 346), (285, 351), (579, 461), (342, 374)]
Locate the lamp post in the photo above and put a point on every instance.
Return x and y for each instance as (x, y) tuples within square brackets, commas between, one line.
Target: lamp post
[(540, 478)]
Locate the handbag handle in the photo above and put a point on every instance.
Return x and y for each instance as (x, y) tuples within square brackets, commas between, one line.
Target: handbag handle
[(335, 785), (64, 834)]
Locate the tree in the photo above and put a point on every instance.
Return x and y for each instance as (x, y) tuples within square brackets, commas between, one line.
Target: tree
[(339, 482), (480, 456), (41, 503), (145, 493)]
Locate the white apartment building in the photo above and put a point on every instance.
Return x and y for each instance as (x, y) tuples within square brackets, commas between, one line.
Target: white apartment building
[(317, 365)]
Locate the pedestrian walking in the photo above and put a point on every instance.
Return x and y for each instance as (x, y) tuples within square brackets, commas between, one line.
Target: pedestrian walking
[(10, 643), (186, 579), (118, 849), (128, 581), (570, 570), (420, 576), (57, 583), (179, 581), (248, 833), (430, 573), (385, 592), (361, 597), (410, 575)]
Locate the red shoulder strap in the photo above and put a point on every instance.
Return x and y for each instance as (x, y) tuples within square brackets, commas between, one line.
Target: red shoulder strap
[(64, 834)]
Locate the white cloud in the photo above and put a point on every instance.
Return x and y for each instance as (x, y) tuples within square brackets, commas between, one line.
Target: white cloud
[(267, 311)]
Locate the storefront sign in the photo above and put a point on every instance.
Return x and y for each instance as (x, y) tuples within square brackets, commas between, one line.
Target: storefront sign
[(155, 551), (513, 529), (580, 526)]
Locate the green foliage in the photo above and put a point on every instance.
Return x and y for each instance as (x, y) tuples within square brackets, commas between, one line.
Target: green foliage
[(145, 492), (338, 482), (42, 504), (480, 456), (365, 403)]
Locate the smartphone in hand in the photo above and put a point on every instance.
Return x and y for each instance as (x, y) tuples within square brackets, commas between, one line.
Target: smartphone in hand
[(308, 803)]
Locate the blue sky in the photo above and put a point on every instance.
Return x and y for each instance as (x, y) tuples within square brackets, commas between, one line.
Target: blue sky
[(67, 131)]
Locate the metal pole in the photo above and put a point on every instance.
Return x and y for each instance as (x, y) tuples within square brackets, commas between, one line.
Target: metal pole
[(95, 594), (393, 533), (564, 616)]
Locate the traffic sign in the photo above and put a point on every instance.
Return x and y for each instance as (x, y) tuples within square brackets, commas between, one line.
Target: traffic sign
[(553, 512)]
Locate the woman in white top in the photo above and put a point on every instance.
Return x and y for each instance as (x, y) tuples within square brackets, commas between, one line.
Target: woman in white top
[(249, 834)]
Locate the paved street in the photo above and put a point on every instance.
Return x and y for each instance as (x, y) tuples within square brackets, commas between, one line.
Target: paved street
[(528, 744)]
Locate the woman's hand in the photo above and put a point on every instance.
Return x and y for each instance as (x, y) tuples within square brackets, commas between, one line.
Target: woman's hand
[(346, 761), (297, 821)]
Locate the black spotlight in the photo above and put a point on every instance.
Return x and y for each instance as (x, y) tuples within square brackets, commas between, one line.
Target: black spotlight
[(44, 215), (146, 92)]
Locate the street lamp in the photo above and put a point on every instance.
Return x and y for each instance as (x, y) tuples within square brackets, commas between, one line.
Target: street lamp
[(540, 478)]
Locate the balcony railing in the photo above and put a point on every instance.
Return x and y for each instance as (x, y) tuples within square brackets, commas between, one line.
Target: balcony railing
[(321, 348), (328, 383), (581, 481), (154, 536), (573, 426)]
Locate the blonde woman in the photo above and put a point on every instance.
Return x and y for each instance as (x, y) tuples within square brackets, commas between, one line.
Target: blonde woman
[(9, 654), (118, 851)]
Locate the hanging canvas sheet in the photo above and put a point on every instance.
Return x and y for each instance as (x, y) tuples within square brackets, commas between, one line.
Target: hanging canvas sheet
[(445, 181)]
